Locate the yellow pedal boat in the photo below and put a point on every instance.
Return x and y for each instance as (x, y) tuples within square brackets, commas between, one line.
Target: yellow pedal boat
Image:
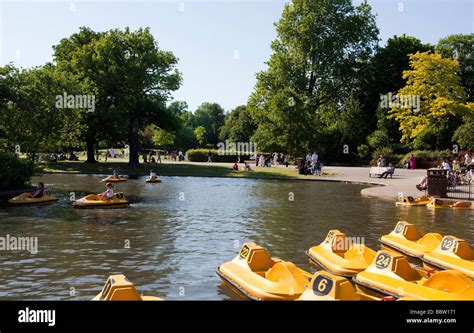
[(406, 239), (452, 253), (113, 179), (412, 201), (119, 288), (153, 180), (438, 203), (93, 201), (325, 286), (257, 276), (337, 256), (27, 199), (391, 274)]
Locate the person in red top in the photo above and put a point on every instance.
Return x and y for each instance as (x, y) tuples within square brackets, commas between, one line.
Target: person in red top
[(412, 162)]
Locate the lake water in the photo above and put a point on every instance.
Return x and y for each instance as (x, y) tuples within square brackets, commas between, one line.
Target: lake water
[(180, 230)]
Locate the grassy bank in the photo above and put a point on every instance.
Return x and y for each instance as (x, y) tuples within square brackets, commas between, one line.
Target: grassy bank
[(171, 169)]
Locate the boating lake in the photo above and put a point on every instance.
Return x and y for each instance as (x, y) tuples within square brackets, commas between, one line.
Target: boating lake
[(173, 236)]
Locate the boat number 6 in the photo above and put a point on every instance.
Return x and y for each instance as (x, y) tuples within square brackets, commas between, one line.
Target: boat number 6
[(322, 285)]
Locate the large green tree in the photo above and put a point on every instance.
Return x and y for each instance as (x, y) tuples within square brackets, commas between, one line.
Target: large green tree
[(461, 48), (30, 118), (239, 126), (210, 116), (383, 76), (436, 82), (320, 48), (131, 78)]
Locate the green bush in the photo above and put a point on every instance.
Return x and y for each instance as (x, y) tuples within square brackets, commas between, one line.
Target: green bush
[(200, 155), (427, 158), (15, 171), (363, 152), (378, 139)]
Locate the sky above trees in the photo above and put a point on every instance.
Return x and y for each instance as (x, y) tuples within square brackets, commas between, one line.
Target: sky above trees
[(220, 44)]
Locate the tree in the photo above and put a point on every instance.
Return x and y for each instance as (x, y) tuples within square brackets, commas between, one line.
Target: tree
[(163, 138), (200, 133), (434, 80), (30, 118), (211, 117), (239, 126), (384, 75), (461, 47), (76, 57), (320, 48), (131, 77), (464, 135)]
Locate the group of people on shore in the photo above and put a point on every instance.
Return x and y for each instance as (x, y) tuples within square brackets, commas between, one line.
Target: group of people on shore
[(461, 168), (311, 165), (268, 160)]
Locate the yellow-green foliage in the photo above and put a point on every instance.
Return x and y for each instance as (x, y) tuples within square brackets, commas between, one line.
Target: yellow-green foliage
[(435, 81)]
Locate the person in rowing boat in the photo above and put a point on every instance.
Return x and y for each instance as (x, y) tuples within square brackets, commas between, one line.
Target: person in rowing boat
[(153, 175), (108, 194), (39, 192)]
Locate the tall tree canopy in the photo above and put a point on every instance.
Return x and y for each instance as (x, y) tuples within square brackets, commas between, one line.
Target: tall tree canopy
[(210, 116), (442, 99), (461, 47), (130, 77), (239, 126), (29, 117), (384, 75), (320, 48)]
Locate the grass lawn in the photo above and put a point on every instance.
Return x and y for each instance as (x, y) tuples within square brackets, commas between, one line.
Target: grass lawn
[(171, 169)]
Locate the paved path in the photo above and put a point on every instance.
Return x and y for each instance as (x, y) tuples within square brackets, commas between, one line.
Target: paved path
[(403, 181)]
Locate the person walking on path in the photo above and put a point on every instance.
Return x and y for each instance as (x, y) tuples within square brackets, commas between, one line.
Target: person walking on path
[(381, 161), (209, 155), (412, 162)]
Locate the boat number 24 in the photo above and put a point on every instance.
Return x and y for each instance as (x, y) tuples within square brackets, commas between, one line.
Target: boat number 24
[(382, 261)]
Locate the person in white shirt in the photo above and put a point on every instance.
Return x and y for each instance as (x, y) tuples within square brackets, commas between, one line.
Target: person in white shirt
[(467, 159), (381, 161), (275, 159), (261, 161), (446, 166), (308, 157), (109, 192), (314, 158)]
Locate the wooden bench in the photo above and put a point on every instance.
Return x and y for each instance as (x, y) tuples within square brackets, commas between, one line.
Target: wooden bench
[(377, 171)]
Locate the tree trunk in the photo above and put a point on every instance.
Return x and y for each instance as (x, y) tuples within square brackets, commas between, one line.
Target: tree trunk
[(90, 143), (133, 161)]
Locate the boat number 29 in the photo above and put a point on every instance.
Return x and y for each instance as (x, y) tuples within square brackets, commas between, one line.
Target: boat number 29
[(447, 243), (382, 261), (322, 285)]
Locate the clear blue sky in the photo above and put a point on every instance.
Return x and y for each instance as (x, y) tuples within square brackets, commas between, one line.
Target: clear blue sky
[(220, 44)]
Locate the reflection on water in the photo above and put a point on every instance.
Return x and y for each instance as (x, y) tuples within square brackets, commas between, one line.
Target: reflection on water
[(175, 233)]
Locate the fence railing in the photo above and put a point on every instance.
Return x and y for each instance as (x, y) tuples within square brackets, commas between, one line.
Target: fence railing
[(461, 189)]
